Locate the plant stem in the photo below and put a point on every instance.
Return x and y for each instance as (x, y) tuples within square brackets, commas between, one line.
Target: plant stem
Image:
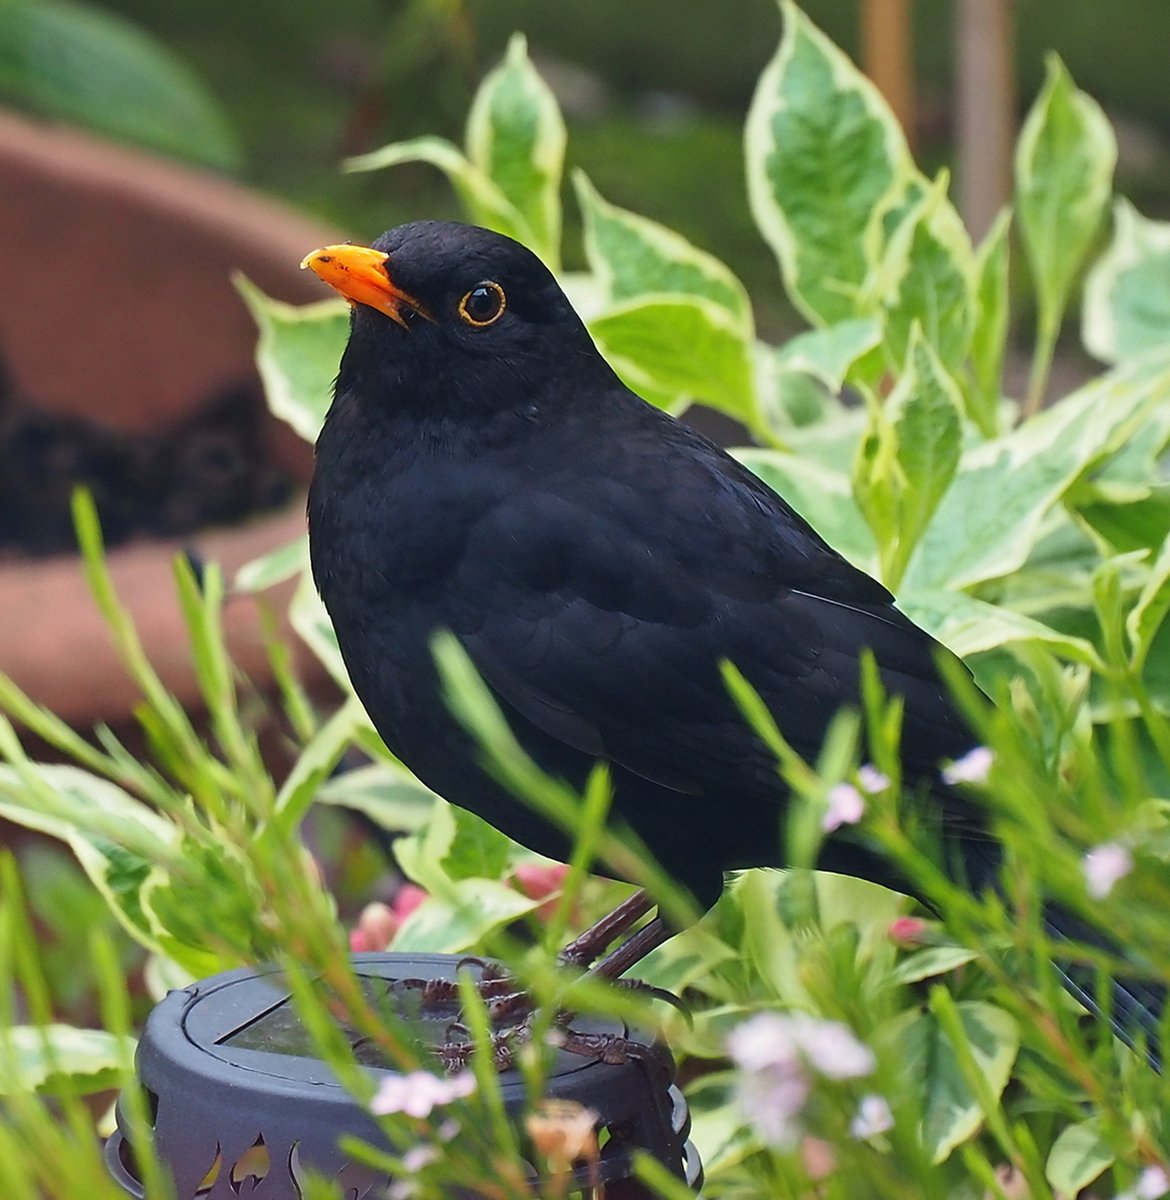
[(1046, 333)]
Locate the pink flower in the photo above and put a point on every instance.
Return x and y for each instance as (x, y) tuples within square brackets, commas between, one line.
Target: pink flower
[(538, 880), (408, 897), (973, 767), (375, 928), (1104, 866), (845, 806), (873, 1117), (907, 931), (418, 1092)]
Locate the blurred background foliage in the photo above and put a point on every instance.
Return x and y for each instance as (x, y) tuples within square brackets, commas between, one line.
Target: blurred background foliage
[(278, 93)]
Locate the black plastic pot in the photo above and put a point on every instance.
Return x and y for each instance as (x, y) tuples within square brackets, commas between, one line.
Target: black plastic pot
[(241, 1105)]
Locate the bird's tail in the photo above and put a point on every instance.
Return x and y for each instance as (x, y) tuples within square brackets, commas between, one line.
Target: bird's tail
[(1136, 1006)]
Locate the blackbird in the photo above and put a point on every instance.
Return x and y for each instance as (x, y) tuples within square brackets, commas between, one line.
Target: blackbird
[(483, 470)]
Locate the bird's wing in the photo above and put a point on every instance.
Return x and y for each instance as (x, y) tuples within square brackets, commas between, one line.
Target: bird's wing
[(601, 612)]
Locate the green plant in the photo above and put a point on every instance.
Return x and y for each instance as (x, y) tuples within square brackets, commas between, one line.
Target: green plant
[(1032, 541), (80, 63)]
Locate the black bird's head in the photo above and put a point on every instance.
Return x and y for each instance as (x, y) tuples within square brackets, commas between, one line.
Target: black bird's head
[(452, 316)]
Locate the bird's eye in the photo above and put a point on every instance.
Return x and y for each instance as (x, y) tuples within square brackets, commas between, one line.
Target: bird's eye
[(484, 304)]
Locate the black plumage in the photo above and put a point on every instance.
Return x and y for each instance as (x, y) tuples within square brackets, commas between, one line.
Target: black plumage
[(483, 470)]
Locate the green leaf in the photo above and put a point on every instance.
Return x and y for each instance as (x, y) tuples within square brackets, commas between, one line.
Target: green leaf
[(386, 792), (992, 515), (51, 1057), (64, 801), (1064, 175), (828, 353), (421, 854), (315, 764), (924, 409), (934, 960), (928, 281), (484, 203), (119, 876), (825, 160), (1079, 1154), (516, 137), (989, 335), (970, 626), (274, 567), (1127, 293), (909, 456), (680, 346), (84, 64), (461, 917), (1145, 618), (297, 355), (478, 850), (632, 255), (308, 617), (951, 1112), (1130, 522)]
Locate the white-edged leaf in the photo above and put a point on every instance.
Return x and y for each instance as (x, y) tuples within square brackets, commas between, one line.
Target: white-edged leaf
[(1145, 618), (989, 335), (65, 801), (297, 355), (386, 792), (929, 282), (992, 515), (825, 160), (316, 762), (1078, 1156), (516, 138), (308, 617), (274, 567), (951, 1112), (829, 352), (482, 199), (934, 960), (970, 626), (33, 1057), (461, 917), (924, 410), (632, 255), (1126, 307), (1064, 175), (680, 346)]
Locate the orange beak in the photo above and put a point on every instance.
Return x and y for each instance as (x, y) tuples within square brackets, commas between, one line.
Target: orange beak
[(360, 275)]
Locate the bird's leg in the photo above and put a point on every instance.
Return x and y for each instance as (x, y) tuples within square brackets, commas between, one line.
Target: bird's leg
[(584, 950), (632, 950), (504, 999)]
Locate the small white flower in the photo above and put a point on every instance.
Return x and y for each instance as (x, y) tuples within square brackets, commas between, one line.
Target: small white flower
[(416, 1093), (1104, 865), (846, 805), (418, 1157), (774, 1053), (832, 1049), (1152, 1184), (973, 767), (871, 780), (873, 1117)]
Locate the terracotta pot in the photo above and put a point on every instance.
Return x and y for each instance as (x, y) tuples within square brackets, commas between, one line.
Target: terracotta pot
[(127, 314)]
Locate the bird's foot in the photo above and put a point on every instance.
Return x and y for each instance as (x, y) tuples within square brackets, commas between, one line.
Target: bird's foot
[(614, 1049)]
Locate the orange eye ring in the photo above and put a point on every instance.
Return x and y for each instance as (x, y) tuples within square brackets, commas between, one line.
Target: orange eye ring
[(484, 305)]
